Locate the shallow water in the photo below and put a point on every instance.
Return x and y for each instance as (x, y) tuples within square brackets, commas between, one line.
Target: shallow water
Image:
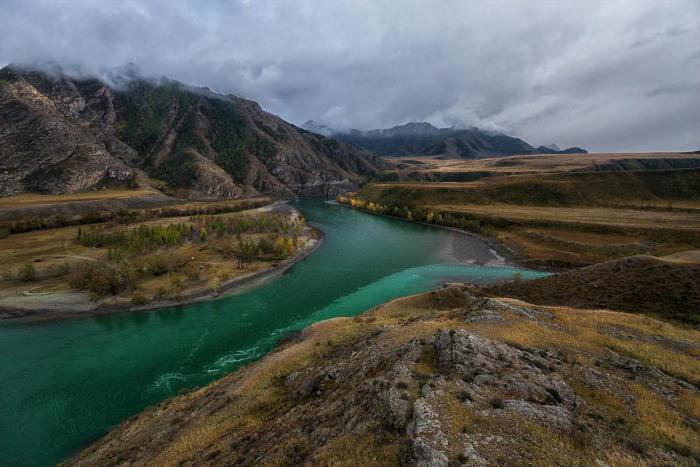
[(65, 383)]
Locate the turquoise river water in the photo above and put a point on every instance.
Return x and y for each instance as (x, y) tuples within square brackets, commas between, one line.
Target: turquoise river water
[(65, 383)]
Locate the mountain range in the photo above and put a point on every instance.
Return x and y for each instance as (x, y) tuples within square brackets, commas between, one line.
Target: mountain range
[(422, 138), (60, 134)]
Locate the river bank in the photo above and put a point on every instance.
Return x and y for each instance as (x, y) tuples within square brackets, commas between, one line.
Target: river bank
[(506, 254), (70, 304), (72, 380), (447, 377)]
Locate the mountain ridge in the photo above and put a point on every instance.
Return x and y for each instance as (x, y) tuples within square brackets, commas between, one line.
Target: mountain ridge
[(422, 138), (60, 135)]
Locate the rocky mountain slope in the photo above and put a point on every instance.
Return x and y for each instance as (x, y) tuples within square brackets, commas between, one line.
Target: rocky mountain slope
[(421, 138), (61, 135), (443, 378)]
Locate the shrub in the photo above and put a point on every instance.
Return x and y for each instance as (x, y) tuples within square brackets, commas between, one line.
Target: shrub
[(139, 300), (26, 272), (496, 403), (57, 270), (464, 396), (192, 271), (555, 395), (224, 275), (100, 279)]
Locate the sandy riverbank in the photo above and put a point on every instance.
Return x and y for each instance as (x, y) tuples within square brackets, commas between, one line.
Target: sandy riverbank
[(38, 306)]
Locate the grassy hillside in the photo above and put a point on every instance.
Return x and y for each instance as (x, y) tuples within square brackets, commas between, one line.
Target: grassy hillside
[(436, 167), (656, 188), (666, 288), (439, 379), (552, 215)]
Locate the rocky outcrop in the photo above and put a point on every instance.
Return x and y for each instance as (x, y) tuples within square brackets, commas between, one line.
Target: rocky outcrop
[(444, 378), (61, 135)]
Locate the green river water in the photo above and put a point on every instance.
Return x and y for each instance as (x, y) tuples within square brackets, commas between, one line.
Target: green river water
[(65, 383)]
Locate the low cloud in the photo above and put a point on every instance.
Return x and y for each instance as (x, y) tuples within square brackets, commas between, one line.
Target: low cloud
[(608, 76)]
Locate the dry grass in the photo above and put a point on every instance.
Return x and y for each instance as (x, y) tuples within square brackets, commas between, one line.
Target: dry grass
[(605, 217), (235, 415), (552, 217), (585, 331), (32, 199), (50, 251), (530, 163)]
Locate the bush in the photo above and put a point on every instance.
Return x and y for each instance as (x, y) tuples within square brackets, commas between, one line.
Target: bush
[(224, 276), (496, 403), (26, 272), (100, 279), (192, 271), (465, 396), (139, 300)]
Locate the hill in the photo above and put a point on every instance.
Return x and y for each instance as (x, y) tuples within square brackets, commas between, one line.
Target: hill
[(665, 287), (552, 211), (63, 135), (443, 378), (422, 138)]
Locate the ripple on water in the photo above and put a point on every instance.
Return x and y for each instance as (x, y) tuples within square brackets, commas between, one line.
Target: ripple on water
[(234, 359), (165, 381)]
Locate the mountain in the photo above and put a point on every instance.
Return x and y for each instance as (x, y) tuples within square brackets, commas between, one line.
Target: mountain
[(60, 135), (422, 138)]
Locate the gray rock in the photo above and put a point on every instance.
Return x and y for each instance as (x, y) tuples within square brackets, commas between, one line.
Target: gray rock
[(428, 442)]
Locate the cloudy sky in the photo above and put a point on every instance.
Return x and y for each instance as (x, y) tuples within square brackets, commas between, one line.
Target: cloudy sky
[(605, 75)]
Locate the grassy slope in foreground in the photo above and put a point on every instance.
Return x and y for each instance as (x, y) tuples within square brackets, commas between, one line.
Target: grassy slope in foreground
[(441, 377)]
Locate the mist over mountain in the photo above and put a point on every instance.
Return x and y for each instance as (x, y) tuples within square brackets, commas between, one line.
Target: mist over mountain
[(422, 138), (61, 134)]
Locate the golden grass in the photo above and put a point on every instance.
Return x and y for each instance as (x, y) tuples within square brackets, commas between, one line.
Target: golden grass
[(32, 199), (51, 249), (257, 389), (256, 397), (585, 238), (583, 330), (659, 424), (366, 449), (647, 219), (529, 163)]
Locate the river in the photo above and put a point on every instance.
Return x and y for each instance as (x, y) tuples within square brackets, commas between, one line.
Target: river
[(65, 383)]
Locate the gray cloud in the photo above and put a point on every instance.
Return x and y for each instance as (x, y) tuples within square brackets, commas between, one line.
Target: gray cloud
[(605, 75)]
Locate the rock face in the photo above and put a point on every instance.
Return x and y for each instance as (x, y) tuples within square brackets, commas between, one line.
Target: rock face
[(444, 378), (422, 138), (61, 135)]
